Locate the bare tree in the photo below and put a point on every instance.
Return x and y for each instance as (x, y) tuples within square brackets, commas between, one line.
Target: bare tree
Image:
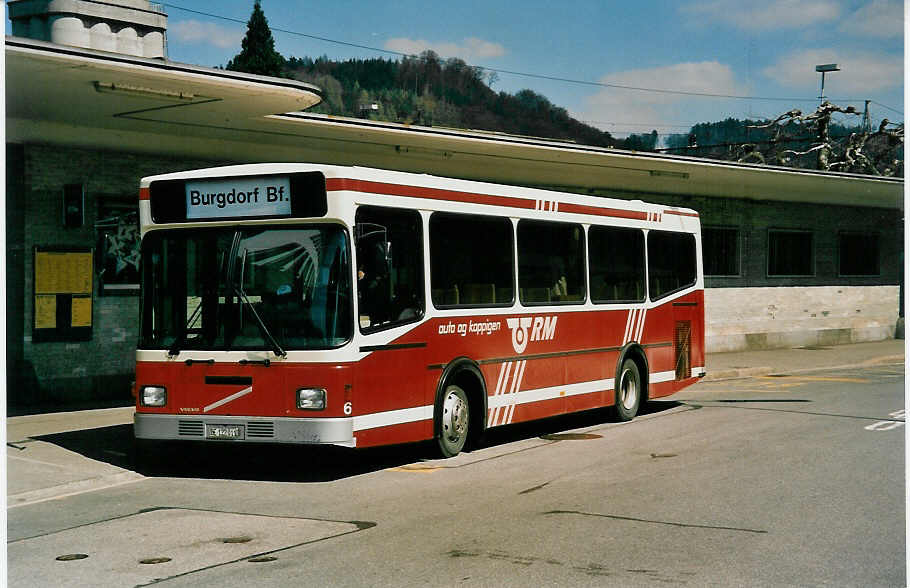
[(879, 153)]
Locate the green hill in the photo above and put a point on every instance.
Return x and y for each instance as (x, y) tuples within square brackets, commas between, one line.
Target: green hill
[(428, 90)]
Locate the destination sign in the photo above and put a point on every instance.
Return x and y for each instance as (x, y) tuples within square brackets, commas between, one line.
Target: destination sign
[(238, 197)]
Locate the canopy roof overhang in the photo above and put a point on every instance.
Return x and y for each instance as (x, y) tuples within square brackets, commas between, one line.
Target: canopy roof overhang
[(82, 98)]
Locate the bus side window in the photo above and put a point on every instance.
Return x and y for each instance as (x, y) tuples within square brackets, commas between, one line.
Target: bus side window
[(389, 266), (551, 262), (617, 264), (471, 260)]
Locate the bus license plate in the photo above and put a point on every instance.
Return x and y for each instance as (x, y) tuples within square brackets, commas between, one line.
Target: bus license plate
[(224, 432)]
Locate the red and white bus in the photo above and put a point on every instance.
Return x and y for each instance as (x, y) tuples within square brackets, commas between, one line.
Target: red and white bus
[(314, 304)]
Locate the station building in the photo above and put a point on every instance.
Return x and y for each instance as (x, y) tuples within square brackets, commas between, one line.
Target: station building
[(793, 258)]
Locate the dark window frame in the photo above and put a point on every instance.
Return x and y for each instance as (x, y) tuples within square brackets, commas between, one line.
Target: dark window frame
[(812, 256), (738, 253), (878, 246)]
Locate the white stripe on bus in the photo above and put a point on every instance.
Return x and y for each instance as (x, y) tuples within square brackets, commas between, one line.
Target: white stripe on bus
[(230, 398), (393, 417), (506, 401), (641, 326), (509, 410)]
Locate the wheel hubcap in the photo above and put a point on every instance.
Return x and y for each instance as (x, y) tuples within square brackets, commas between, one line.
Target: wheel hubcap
[(454, 417), (629, 391)]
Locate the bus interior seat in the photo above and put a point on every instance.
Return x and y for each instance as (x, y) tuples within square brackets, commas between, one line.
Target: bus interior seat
[(446, 295), (479, 293)]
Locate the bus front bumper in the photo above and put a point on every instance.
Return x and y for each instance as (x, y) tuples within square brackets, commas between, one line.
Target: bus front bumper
[(302, 431)]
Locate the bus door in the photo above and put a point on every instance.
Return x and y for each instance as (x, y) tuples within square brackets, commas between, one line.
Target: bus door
[(390, 303)]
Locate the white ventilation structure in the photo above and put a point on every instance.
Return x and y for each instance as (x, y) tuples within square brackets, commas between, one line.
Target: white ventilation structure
[(131, 27)]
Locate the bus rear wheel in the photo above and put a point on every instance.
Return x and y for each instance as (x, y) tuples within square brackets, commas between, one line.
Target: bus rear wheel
[(454, 421), (628, 391)]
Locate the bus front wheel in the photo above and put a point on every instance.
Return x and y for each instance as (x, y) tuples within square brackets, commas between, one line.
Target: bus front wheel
[(454, 420), (628, 391)]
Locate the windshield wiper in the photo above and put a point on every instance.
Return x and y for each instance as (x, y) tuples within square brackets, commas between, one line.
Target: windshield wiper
[(179, 341), (276, 348)]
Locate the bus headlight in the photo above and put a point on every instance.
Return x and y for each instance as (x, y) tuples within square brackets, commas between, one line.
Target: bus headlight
[(154, 396), (311, 399)]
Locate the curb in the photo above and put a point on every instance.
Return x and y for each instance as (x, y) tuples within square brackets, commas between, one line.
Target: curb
[(737, 373), (754, 372), (71, 488)]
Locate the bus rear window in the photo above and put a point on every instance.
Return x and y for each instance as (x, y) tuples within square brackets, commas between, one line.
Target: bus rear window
[(671, 262)]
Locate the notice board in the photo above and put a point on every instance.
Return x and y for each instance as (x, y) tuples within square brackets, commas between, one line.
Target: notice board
[(63, 294)]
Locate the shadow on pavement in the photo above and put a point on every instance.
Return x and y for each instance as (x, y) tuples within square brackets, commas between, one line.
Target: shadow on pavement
[(283, 463)]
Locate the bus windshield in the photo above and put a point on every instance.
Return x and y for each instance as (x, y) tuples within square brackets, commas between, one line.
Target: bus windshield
[(278, 288)]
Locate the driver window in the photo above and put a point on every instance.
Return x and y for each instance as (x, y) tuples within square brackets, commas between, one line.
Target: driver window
[(389, 267)]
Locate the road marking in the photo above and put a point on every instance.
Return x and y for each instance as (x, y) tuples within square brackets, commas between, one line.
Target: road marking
[(888, 425), (817, 379)]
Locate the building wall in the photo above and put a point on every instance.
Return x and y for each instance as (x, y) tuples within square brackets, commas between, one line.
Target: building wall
[(44, 373), (781, 316)]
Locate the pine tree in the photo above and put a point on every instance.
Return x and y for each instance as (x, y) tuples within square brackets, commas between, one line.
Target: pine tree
[(258, 55)]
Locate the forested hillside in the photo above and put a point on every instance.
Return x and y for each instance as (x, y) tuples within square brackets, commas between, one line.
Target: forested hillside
[(428, 90)]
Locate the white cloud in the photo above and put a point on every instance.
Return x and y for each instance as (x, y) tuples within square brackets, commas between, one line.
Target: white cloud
[(469, 49), (767, 15), (861, 73), (879, 18), (204, 33), (629, 111)]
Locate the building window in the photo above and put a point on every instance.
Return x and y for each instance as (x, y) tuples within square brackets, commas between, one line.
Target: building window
[(858, 254), (790, 253), (720, 251), (117, 232)]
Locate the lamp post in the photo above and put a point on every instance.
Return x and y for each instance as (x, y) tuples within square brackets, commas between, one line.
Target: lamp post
[(823, 69)]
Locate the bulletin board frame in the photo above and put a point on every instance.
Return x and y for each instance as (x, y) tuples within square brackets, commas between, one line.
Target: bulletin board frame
[(64, 294)]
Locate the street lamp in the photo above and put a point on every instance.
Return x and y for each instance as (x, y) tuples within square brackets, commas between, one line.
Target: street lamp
[(823, 69)]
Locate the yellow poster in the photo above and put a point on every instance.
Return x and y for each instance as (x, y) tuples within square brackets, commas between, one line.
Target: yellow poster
[(82, 311), (45, 312), (58, 272)]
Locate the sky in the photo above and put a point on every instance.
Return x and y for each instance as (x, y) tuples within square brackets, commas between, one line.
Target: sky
[(585, 55)]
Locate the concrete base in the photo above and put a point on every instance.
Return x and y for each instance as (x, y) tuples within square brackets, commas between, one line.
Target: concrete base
[(743, 319)]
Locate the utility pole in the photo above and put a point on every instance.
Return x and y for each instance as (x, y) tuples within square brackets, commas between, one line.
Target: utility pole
[(823, 69), (867, 120)]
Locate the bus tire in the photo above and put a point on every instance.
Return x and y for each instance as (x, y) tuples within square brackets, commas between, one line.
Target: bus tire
[(454, 421), (629, 391)]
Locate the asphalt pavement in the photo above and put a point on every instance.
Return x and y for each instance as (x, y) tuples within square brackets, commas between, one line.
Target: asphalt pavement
[(38, 469)]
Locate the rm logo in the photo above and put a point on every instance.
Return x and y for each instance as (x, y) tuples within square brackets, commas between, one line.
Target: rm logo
[(542, 329)]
